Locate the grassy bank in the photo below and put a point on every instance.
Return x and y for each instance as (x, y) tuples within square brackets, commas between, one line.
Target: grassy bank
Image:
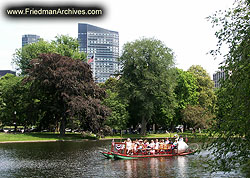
[(12, 137), (48, 136), (170, 135)]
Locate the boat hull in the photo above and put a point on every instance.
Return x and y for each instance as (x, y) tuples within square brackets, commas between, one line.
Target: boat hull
[(108, 155), (124, 156)]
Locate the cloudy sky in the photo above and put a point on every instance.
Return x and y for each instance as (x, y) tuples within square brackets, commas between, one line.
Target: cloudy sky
[(180, 24)]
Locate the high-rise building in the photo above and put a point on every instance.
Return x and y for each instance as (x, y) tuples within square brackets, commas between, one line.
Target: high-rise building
[(27, 39), (217, 77), (103, 44), (4, 72)]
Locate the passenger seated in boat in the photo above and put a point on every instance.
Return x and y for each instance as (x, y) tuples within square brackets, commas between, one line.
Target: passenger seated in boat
[(140, 146), (137, 141), (134, 147), (165, 147), (161, 145), (170, 141), (129, 146), (146, 147), (156, 146), (167, 141), (146, 143), (175, 145), (152, 147)]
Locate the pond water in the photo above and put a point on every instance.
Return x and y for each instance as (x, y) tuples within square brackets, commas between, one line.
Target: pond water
[(83, 159)]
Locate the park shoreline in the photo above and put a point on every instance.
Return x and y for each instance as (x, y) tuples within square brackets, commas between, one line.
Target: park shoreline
[(50, 137), (37, 141)]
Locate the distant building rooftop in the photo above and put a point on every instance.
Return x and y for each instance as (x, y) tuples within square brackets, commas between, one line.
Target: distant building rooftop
[(4, 72)]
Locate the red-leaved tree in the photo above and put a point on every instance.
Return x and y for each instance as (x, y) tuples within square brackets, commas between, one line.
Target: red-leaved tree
[(65, 89)]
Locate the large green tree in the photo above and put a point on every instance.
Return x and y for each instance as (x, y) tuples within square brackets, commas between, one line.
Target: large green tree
[(206, 104), (64, 45), (16, 105), (118, 118), (119, 115), (233, 116), (205, 87), (147, 79), (186, 93), (65, 89)]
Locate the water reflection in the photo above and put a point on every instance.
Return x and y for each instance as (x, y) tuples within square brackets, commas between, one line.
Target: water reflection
[(182, 165), (153, 167), (82, 159)]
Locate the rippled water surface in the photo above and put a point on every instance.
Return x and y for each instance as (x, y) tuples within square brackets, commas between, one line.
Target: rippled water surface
[(83, 159)]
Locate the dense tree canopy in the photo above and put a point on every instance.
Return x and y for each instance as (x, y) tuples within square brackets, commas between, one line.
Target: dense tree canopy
[(64, 45), (186, 93), (199, 113), (205, 87), (233, 116), (16, 105), (147, 79), (65, 89), (119, 115)]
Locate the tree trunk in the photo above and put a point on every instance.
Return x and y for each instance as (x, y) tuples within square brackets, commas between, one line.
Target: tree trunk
[(62, 126), (143, 126)]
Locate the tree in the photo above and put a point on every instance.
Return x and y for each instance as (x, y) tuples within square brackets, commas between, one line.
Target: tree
[(16, 106), (111, 84), (65, 88), (9, 97), (232, 147), (147, 78), (119, 115), (186, 93), (64, 45), (206, 97), (197, 116), (205, 87)]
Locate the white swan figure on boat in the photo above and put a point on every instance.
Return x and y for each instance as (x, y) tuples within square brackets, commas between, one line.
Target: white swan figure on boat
[(182, 146)]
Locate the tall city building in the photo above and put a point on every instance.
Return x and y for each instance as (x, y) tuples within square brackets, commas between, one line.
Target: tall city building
[(217, 77), (27, 39), (103, 46), (4, 72)]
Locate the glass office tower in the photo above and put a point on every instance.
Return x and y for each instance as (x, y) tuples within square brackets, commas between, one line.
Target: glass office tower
[(103, 44), (27, 39)]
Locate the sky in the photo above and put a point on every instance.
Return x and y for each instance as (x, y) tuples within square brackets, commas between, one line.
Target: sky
[(180, 24)]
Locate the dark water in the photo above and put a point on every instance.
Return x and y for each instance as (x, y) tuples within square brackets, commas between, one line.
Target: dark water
[(82, 159)]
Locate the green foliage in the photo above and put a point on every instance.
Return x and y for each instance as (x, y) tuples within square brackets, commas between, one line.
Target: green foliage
[(203, 103), (110, 84), (197, 116), (205, 87), (68, 46), (119, 115), (64, 45), (186, 89), (16, 104), (233, 115), (147, 79), (186, 93)]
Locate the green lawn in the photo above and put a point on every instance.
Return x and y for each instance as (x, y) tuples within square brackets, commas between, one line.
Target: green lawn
[(5, 137), (49, 136), (185, 134)]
